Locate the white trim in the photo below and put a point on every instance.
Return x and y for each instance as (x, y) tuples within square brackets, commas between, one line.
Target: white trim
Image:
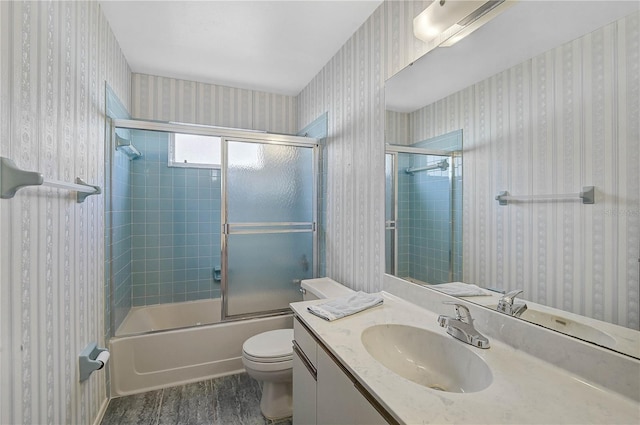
[(102, 411)]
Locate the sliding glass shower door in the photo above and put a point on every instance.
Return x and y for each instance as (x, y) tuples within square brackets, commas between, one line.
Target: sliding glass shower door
[(269, 231)]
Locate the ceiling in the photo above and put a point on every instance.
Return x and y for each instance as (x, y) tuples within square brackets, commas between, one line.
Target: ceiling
[(523, 31), (272, 46)]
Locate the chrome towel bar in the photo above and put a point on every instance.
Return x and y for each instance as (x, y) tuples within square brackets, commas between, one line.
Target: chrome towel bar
[(587, 195)]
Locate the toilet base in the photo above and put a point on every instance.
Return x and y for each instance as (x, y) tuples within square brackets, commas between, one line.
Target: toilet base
[(277, 400)]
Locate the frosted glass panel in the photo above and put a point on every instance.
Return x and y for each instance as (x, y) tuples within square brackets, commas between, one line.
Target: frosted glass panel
[(264, 270), (269, 183), (270, 229)]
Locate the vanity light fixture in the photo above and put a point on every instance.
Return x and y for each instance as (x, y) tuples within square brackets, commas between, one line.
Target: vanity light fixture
[(455, 19)]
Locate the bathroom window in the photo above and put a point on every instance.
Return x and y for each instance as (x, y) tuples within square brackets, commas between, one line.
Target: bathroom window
[(194, 151)]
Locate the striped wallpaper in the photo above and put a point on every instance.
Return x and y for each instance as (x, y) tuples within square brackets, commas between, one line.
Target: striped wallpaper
[(56, 57), (351, 88), (562, 120), (168, 99), (565, 119)]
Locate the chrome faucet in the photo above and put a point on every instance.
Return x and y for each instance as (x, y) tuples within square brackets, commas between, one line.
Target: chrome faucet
[(508, 305), (461, 327)]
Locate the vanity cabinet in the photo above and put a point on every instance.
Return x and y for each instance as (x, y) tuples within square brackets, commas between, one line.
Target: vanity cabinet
[(339, 401), (323, 391), (304, 375)]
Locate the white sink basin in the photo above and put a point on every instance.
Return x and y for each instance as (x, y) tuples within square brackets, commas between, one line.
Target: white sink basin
[(427, 358), (566, 326)]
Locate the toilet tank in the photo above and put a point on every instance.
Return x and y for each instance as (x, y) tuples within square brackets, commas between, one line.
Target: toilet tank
[(315, 289)]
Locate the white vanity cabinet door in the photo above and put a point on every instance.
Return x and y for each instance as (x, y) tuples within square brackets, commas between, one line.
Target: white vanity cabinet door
[(366, 414), (304, 393), (304, 376), (305, 341), (338, 400)]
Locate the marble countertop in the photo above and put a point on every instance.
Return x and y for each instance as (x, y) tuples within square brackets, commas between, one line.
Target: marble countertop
[(524, 389)]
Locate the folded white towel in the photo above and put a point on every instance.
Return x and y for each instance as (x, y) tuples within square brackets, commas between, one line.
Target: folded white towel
[(460, 289), (345, 306)]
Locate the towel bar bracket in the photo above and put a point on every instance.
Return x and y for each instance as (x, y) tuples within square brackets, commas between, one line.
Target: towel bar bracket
[(501, 197), (588, 195), (13, 179), (81, 196)]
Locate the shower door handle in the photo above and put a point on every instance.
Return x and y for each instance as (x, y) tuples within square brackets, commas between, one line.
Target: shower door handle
[(225, 229)]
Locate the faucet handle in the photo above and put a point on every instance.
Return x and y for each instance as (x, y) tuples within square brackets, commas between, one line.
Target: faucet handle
[(506, 304), (510, 296), (462, 327), (465, 315)]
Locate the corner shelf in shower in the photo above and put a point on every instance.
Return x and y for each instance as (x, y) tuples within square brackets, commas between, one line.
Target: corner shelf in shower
[(126, 147)]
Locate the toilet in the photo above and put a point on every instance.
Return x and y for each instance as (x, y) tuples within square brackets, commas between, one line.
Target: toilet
[(268, 357)]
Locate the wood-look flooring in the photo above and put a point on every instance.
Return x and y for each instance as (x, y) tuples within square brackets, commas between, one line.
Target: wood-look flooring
[(229, 400)]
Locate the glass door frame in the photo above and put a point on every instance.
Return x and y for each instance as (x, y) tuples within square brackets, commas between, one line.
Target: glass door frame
[(226, 231), (226, 133), (391, 224)]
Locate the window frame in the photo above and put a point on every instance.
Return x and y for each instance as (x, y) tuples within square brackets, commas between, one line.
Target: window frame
[(171, 160)]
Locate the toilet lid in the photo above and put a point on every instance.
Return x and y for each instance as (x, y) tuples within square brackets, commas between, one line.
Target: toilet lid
[(270, 346)]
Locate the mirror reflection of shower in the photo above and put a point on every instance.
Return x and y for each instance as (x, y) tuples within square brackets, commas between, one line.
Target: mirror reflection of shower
[(424, 210)]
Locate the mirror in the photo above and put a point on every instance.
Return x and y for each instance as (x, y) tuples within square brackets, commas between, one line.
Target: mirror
[(541, 94)]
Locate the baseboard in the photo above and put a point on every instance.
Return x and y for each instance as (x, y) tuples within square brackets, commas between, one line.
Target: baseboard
[(101, 412)]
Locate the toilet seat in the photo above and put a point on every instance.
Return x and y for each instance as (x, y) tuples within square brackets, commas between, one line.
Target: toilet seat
[(268, 367), (269, 347), (266, 359)]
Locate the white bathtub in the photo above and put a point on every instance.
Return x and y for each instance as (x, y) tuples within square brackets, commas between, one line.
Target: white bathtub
[(170, 316), (142, 363)]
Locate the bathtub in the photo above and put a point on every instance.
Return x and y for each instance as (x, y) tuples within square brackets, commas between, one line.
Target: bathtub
[(170, 316), (146, 362)]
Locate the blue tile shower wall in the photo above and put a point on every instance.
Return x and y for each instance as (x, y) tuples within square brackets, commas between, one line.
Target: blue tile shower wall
[(457, 219), (424, 215), (403, 222), (121, 236), (118, 218), (429, 216), (175, 226), (450, 142)]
